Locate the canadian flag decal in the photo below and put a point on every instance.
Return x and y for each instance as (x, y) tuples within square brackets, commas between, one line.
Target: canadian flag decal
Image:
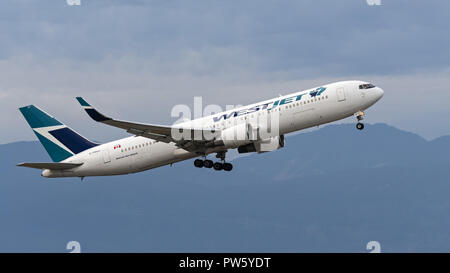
[(117, 147)]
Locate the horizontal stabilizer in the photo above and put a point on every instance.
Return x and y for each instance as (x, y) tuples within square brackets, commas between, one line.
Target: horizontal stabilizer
[(50, 166)]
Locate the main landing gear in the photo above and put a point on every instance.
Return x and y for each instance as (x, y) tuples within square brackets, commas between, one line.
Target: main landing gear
[(360, 117), (218, 166)]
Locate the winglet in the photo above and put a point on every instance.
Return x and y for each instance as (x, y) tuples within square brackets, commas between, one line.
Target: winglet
[(94, 114), (83, 102)]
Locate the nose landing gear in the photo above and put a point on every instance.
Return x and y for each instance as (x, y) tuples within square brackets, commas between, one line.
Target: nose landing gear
[(360, 117), (359, 126)]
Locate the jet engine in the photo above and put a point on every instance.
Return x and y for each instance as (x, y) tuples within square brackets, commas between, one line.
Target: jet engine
[(236, 136), (264, 145)]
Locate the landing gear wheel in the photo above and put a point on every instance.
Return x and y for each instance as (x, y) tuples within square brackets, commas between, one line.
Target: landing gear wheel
[(227, 167), (360, 126), (218, 166), (359, 116), (208, 164), (198, 163)]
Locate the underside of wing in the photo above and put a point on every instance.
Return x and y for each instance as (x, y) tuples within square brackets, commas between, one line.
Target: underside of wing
[(50, 165)]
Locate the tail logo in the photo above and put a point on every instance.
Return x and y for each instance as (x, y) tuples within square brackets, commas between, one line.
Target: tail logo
[(60, 141)]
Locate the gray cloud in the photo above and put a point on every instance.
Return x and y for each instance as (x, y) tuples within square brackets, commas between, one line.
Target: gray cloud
[(137, 59), (312, 37), (411, 101)]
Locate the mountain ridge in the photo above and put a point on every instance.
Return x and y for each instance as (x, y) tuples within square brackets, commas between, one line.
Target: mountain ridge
[(329, 190)]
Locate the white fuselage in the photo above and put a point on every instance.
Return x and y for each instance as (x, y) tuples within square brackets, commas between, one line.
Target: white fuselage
[(295, 112)]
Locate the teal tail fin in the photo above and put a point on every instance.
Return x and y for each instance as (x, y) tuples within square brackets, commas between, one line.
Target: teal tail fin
[(59, 141)]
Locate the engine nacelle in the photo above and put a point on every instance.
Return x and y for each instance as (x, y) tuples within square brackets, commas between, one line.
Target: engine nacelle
[(238, 135), (262, 146)]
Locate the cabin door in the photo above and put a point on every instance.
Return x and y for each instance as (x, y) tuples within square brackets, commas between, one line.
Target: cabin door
[(106, 156), (340, 92)]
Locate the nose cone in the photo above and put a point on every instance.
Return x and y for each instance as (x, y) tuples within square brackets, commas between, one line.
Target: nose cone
[(379, 93)]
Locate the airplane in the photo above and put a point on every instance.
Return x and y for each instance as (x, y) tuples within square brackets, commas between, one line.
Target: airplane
[(256, 128)]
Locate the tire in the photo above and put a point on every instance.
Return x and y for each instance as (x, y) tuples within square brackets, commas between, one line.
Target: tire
[(218, 166), (360, 126), (227, 167), (208, 164), (198, 163)]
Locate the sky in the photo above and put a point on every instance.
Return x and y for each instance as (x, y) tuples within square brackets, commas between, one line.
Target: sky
[(136, 60)]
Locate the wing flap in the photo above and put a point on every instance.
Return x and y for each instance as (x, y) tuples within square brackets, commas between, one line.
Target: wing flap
[(50, 166)]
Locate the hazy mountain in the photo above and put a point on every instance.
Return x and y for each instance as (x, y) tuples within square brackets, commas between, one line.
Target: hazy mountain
[(333, 189)]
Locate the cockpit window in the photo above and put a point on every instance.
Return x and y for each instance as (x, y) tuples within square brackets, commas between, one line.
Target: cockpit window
[(366, 86)]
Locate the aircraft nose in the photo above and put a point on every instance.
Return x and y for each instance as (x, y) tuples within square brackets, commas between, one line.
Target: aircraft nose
[(379, 93)]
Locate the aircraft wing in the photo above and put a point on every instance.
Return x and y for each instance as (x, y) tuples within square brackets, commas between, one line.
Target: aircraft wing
[(50, 165), (152, 131)]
